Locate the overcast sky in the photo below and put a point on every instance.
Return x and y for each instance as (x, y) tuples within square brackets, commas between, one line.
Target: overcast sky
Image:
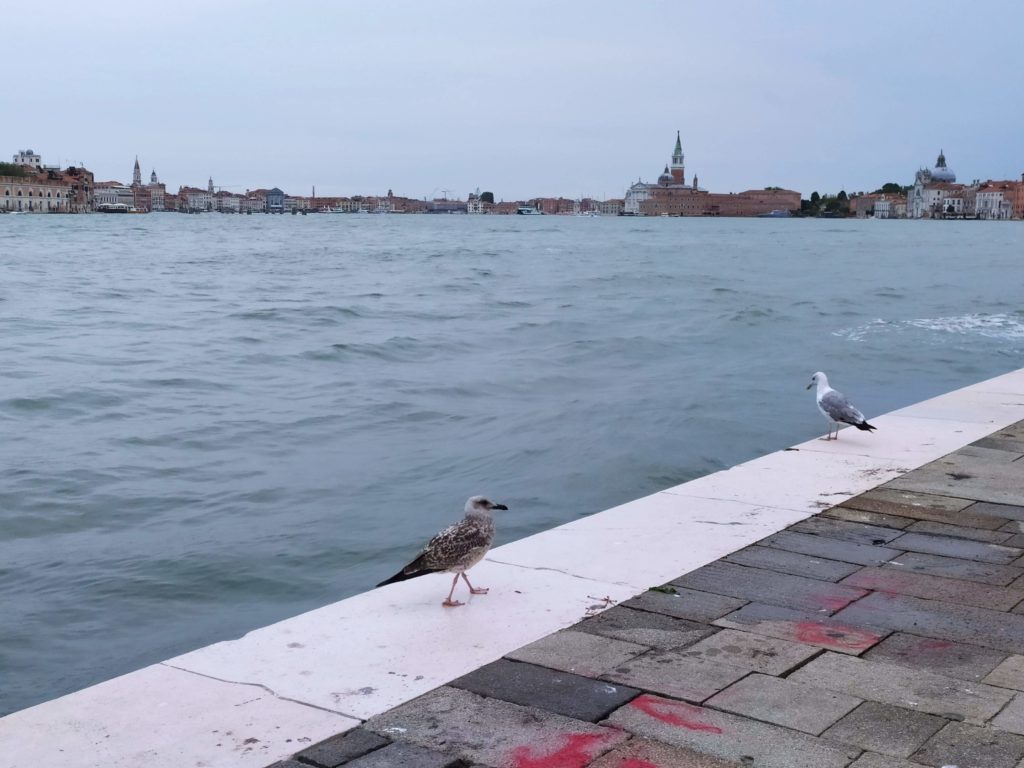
[(523, 98)]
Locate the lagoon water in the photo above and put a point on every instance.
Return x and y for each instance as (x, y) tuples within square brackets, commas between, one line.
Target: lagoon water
[(210, 423)]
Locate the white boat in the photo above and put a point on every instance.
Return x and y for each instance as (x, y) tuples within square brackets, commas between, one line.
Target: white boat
[(528, 210)]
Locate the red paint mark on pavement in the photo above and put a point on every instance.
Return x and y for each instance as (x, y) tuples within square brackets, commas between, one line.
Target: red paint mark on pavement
[(835, 636), (673, 713), (577, 751)]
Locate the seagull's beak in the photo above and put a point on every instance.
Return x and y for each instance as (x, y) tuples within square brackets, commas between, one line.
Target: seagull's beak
[(810, 385), (498, 506)]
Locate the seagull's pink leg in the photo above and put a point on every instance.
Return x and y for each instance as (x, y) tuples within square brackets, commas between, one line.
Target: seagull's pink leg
[(475, 590), (448, 602)]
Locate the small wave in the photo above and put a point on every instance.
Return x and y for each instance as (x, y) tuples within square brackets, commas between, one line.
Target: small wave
[(1000, 326), (997, 326)]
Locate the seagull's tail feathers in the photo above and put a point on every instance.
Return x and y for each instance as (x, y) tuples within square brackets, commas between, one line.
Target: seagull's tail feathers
[(411, 571), (864, 426)]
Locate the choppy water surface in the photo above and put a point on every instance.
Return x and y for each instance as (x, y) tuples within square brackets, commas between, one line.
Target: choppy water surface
[(214, 422)]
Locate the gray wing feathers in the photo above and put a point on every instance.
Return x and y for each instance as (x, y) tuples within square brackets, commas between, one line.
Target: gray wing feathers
[(839, 408)]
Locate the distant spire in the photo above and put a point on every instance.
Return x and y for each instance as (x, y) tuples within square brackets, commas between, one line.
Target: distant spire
[(679, 145), (678, 164), (137, 174), (941, 162)]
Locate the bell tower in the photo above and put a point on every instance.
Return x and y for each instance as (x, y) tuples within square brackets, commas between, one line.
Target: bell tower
[(678, 166), (137, 174)]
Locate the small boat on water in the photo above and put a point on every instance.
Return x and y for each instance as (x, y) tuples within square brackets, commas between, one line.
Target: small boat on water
[(528, 210), (776, 214), (114, 208)]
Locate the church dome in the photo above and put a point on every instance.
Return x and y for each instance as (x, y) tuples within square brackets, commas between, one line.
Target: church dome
[(941, 172), (666, 177)]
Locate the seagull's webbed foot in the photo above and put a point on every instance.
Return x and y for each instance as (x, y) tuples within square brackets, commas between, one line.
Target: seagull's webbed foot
[(475, 590), (449, 603)]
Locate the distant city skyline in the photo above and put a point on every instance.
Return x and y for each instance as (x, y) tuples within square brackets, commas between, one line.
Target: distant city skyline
[(523, 100)]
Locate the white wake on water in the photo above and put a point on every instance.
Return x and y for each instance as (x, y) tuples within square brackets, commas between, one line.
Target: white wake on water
[(998, 326)]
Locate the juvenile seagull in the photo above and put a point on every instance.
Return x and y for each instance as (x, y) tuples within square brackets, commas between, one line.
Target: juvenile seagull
[(456, 549), (836, 408)]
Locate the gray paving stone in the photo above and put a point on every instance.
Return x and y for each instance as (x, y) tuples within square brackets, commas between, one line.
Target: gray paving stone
[(1001, 444), (581, 653), (654, 630), (1002, 511), (943, 621), (1012, 717), (874, 760), (642, 753), (922, 506), (674, 674), (855, 533), (892, 731), (770, 587), (969, 746), (959, 548), (944, 657), (961, 531), (802, 627), (863, 516), (561, 692), (782, 702), (834, 549), (755, 653), (966, 477), (288, 764), (791, 562), (727, 736), (910, 688), (685, 604), (1016, 540), (1013, 526), (340, 749), (936, 588), (407, 756), (1009, 674), (988, 454), (493, 732), (954, 568)]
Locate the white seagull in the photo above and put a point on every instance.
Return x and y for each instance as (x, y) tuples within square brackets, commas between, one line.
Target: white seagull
[(456, 549), (836, 408)]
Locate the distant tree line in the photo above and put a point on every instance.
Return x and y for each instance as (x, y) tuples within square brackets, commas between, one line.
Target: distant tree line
[(10, 169), (839, 204)]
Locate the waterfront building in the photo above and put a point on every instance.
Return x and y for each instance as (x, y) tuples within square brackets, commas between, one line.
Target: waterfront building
[(997, 199), (255, 201), (636, 195), (474, 204), (890, 207), (275, 200), (193, 199), (613, 207), (29, 159), (672, 196), (113, 193), (931, 186), (227, 202), (157, 193)]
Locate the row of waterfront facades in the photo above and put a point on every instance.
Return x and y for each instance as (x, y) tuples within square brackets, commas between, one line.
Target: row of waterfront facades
[(46, 189), (934, 194)]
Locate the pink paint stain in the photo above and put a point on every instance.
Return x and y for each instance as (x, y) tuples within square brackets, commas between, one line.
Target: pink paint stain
[(835, 636), (674, 713), (577, 751)]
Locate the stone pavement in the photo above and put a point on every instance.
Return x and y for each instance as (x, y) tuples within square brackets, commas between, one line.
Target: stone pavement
[(886, 632)]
